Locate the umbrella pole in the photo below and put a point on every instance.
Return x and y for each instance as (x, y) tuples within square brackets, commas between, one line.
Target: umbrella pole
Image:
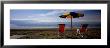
[(71, 23)]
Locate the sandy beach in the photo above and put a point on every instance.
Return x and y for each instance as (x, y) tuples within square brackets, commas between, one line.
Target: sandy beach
[(92, 33)]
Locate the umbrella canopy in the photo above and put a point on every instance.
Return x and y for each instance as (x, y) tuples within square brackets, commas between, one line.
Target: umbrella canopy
[(73, 14)]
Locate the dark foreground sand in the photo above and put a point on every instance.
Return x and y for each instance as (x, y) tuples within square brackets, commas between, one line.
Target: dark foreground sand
[(92, 33)]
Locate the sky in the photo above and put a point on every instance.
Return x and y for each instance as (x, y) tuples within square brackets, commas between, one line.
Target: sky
[(28, 18)]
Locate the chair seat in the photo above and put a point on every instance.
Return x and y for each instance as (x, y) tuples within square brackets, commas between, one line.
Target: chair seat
[(82, 30)]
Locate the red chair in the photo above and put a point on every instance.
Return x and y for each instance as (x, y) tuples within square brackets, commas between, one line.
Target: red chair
[(81, 30), (83, 27), (61, 28)]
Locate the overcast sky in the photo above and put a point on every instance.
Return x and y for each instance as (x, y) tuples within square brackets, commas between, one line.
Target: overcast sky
[(20, 18)]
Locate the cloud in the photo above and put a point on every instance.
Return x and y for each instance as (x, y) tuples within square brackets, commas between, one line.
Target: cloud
[(43, 19), (52, 16)]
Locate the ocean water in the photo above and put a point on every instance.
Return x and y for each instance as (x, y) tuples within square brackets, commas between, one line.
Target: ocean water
[(53, 25)]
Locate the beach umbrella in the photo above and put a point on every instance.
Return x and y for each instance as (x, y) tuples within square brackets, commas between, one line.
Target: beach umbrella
[(72, 15)]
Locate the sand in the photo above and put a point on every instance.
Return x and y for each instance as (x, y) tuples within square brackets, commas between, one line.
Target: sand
[(92, 33)]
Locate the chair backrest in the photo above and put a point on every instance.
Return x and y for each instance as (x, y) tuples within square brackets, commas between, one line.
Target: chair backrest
[(83, 27), (61, 28)]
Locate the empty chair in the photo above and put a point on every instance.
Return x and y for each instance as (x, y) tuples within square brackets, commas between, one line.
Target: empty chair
[(83, 28)]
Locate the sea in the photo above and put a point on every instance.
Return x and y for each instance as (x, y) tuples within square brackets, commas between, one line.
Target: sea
[(55, 25)]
